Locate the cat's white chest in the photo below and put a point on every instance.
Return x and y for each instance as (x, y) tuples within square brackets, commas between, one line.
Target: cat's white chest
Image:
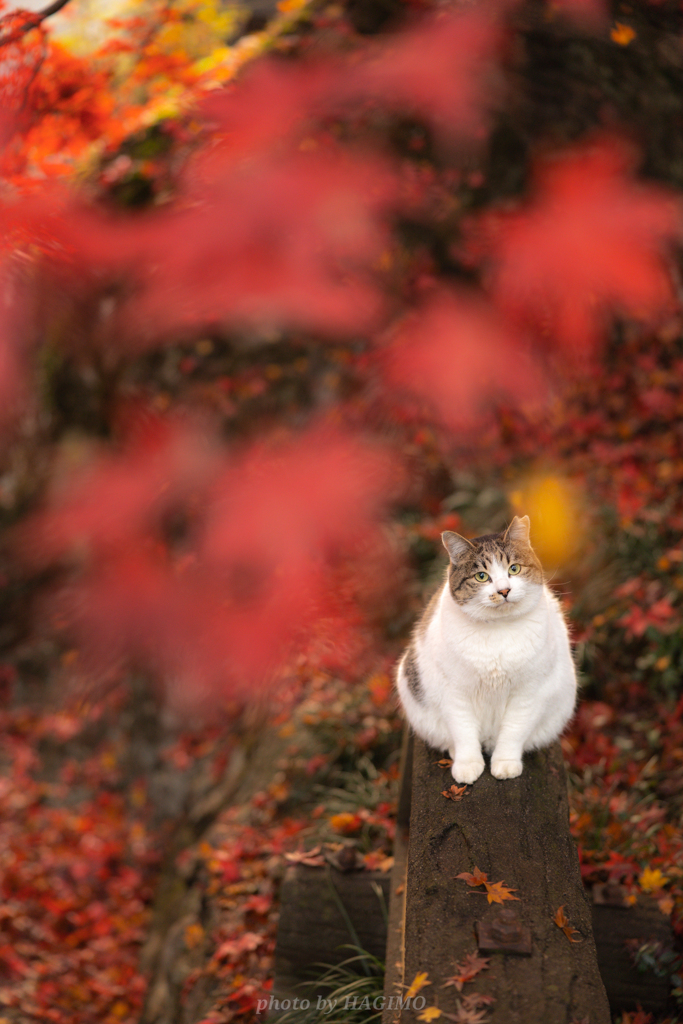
[(497, 654)]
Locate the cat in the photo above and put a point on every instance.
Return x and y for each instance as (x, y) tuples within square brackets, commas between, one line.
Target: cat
[(489, 664)]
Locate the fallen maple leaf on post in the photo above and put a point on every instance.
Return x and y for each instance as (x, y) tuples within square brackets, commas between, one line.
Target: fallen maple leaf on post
[(562, 921), (465, 1016), (476, 999), (454, 793), (419, 982), (476, 878), (468, 969), (430, 1013), (496, 892)]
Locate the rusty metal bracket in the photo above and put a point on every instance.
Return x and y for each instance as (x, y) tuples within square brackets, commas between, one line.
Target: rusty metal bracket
[(504, 933)]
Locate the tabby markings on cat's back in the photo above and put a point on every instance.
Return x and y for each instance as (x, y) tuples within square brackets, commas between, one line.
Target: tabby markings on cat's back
[(412, 674)]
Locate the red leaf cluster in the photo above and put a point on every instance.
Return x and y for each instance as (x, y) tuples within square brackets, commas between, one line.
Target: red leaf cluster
[(456, 355), (590, 241), (254, 568), (74, 884), (454, 86)]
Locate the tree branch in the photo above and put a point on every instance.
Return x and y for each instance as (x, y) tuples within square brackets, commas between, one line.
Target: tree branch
[(34, 18)]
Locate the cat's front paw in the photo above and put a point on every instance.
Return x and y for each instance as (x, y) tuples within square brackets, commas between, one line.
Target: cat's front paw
[(467, 771), (505, 769)]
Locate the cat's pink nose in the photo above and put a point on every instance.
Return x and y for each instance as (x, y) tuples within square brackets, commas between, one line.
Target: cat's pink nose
[(504, 592)]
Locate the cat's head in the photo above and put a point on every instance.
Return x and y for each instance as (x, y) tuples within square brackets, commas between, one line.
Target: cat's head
[(496, 576)]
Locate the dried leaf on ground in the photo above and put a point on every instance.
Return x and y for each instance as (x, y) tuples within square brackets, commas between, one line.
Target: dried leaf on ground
[(311, 858)]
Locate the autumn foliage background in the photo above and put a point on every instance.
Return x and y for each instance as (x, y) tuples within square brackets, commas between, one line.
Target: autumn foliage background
[(280, 303)]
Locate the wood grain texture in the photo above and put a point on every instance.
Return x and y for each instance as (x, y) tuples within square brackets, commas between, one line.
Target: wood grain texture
[(517, 831)]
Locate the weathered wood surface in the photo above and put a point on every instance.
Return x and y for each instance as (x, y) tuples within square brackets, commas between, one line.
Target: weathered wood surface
[(313, 929), (399, 875), (517, 831)]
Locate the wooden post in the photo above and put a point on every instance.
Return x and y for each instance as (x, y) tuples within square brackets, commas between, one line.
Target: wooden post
[(517, 831)]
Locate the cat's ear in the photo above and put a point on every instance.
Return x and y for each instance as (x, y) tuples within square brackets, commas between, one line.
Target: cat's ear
[(455, 545), (518, 530)]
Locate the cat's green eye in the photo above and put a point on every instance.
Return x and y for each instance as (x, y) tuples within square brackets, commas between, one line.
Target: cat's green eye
[(514, 569), (481, 577)]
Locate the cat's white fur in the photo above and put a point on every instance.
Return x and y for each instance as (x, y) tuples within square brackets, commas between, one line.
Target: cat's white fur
[(495, 673)]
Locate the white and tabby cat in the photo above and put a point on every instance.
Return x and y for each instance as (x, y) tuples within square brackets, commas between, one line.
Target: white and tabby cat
[(489, 665)]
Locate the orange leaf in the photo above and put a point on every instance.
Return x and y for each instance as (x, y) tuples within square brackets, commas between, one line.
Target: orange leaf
[(622, 34), (562, 921), (454, 793), (497, 892)]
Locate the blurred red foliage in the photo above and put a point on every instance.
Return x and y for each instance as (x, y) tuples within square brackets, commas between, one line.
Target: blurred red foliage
[(457, 356), (445, 69), (283, 221), (206, 567), (590, 242)]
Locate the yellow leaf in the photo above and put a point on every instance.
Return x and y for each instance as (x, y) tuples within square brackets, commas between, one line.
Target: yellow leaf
[(622, 34), (553, 503), (652, 879), (419, 982), (431, 1013)]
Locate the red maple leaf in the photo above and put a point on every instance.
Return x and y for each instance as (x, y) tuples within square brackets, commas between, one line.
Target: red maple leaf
[(591, 241), (477, 877), (468, 969), (456, 356), (454, 88)]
